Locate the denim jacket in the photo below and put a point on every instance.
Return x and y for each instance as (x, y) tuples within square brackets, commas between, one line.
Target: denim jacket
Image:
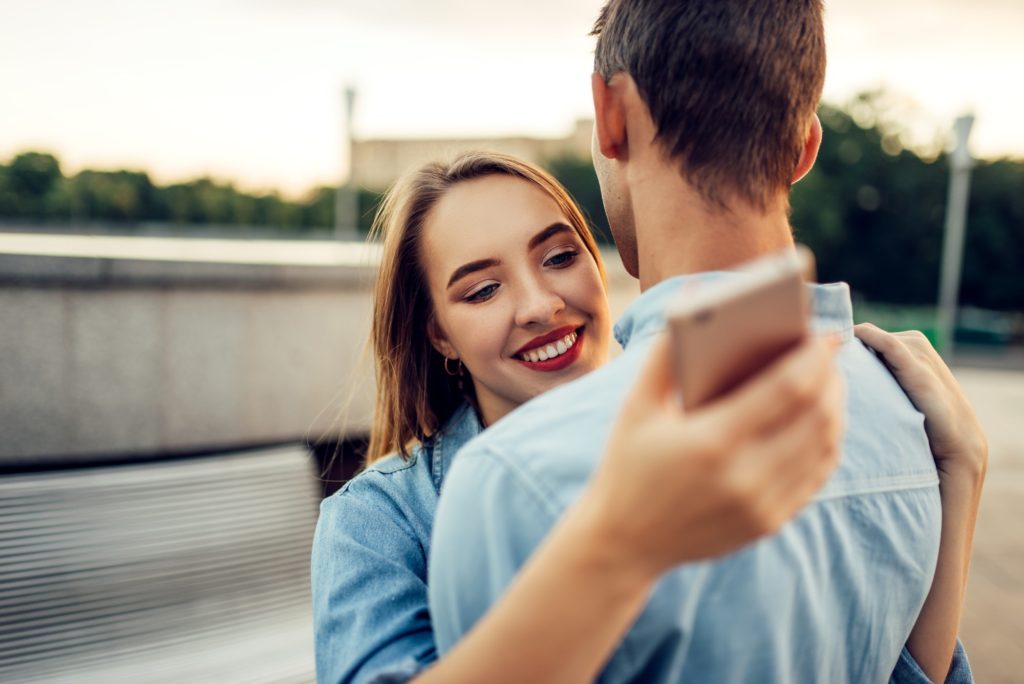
[(369, 568), (369, 564)]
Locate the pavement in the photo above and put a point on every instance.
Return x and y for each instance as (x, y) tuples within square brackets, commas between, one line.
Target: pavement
[(992, 628)]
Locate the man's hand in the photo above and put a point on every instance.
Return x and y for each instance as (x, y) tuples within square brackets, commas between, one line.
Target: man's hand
[(676, 487)]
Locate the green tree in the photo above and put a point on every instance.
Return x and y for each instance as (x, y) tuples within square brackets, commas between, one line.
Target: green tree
[(578, 176), (28, 182), (128, 196), (872, 212), (994, 245)]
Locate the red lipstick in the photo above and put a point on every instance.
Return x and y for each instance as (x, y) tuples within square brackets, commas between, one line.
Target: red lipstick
[(559, 362), (553, 336)]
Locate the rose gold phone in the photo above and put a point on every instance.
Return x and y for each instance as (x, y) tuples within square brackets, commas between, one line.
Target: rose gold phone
[(724, 332)]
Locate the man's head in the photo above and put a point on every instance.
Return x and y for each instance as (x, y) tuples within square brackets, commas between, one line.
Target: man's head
[(730, 88)]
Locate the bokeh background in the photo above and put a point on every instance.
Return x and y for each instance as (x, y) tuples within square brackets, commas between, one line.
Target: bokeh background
[(184, 192)]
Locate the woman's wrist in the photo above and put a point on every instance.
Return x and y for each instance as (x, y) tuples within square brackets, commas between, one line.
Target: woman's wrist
[(965, 471)]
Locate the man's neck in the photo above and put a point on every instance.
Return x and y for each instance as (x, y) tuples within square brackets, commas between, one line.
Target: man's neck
[(678, 233)]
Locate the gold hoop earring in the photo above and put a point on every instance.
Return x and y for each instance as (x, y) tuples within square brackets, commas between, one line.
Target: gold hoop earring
[(458, 369)]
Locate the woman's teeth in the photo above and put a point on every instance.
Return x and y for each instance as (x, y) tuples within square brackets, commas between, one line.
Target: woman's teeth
[(550, 351)]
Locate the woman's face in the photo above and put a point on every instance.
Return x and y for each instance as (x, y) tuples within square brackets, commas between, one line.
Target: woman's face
[(518, 298)]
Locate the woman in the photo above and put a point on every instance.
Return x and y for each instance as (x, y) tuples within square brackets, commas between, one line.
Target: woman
[(462, 340)]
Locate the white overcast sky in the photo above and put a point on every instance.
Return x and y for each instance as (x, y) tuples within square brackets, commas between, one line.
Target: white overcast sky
[(250, 90)]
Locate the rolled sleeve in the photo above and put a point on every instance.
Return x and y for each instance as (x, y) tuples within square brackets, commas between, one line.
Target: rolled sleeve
[(401, 673), (907, 670)]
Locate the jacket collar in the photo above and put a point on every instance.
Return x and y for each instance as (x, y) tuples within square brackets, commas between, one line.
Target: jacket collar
[(463, 426)]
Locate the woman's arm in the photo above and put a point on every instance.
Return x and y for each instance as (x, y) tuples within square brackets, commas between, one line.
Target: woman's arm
[(671, 488), (961, 456), (370, 615)]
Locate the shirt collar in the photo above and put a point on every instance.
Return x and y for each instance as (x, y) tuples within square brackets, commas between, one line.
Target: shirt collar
[(463, 426), (832, 309)]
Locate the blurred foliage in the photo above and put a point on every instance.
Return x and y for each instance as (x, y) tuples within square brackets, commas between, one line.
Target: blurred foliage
[(872, 209), (33, 189), (579, 178)]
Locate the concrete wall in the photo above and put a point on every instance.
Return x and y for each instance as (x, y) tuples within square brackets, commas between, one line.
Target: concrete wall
[(114, 347), (107, 356)]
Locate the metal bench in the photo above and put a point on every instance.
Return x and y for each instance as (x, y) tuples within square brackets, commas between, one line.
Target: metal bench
[(191, 570)]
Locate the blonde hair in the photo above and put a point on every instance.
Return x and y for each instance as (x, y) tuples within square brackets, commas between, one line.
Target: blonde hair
[(415, 394)]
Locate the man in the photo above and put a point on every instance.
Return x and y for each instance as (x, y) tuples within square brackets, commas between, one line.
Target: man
[(704, 117)]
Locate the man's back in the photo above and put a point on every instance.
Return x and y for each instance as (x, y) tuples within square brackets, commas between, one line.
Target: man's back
[(832, 597)]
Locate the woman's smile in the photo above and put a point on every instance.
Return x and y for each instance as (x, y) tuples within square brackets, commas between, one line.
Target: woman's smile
[(552, 352)]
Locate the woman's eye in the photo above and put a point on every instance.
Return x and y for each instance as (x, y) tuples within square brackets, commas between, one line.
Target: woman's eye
[(562, 258), (483, 293)]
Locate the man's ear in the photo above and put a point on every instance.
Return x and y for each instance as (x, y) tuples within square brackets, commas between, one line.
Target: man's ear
[(439, 341), (609, 116), (810, 152)]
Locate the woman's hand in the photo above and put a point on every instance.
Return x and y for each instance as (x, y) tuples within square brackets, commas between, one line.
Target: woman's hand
[(676, 487), (956, 437), (961, 456)]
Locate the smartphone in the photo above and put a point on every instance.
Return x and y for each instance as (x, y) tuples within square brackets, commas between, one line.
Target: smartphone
[(724, 332)]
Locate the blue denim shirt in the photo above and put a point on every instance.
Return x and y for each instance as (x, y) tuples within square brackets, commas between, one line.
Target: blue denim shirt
[(369, 564), (831, 597)]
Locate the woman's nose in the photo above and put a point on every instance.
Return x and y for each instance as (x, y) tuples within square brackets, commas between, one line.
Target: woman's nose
[(538, 304)]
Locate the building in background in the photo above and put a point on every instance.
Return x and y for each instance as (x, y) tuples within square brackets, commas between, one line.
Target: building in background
[(377, 163)]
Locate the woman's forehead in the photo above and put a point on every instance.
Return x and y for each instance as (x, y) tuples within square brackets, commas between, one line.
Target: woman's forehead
[(483, 217)]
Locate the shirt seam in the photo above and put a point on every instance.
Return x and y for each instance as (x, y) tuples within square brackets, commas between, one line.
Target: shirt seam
[(896, 483), (409, 463), (543, 497)]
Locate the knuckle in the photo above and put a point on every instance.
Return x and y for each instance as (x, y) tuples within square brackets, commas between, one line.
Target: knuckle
[(917, 338), (719, 444), (739, 494), (794, 388)]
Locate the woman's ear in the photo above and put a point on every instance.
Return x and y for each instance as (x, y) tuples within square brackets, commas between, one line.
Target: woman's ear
[(810, 151), (439, 340)]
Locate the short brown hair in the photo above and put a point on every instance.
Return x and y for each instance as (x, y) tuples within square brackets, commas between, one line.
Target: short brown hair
[(415, 396), (730, 84)]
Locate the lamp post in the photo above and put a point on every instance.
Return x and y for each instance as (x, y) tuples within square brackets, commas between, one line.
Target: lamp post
[(346, 199), (960, 164)]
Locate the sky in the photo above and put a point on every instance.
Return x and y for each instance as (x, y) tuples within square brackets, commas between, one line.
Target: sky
[(251, 90)]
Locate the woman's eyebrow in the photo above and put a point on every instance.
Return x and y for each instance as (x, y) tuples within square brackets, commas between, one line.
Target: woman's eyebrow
[(553, 229), (471, 267), (479, 265)]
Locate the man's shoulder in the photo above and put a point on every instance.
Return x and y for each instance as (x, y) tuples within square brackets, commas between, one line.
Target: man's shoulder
[(550, 444), (885, 439), (555, 418)]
